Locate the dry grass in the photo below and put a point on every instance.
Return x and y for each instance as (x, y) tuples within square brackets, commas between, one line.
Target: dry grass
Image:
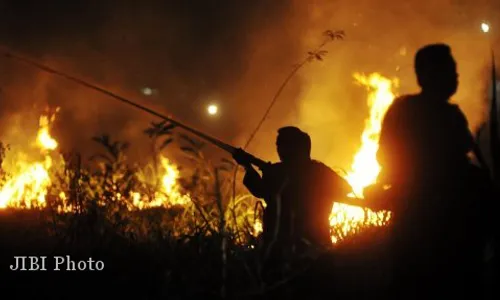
[(206, 248)]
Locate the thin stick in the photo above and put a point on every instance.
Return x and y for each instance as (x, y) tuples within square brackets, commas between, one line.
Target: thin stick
[(315, 54), (50, 70)]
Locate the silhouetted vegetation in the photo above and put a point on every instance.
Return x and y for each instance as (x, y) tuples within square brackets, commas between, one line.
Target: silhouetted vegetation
[(105, 208), (195, 248)]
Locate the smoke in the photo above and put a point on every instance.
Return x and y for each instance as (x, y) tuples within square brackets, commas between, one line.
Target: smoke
[(383, 36), (191, 52), (233, 53)]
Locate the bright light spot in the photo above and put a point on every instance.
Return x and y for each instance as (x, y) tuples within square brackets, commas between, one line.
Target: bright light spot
[(212, 109), (147, 91), (485, 27)]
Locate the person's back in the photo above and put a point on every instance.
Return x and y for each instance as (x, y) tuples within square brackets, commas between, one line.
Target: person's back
[(279, 188), (321, 188), (299, 192), (423, 153), (432, 144), (421, 140)]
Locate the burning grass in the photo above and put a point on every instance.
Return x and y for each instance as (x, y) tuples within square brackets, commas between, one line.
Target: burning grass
[(44, 178), (113, 186), (110, 200)]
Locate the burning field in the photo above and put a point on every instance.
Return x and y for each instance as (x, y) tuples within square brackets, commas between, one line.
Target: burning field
[(84, 176), (42, 178)]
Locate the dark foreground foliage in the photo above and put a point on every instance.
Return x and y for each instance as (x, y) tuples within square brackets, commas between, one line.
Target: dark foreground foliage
[(203, 250), (172, 268), (210, 254), (178, 268), (206, 248)]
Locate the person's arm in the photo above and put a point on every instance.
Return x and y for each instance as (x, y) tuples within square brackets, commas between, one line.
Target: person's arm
[(335, 189), (465, 140), (253, 182), (338, 189), (387, 143), (343, 189), (341, 186)]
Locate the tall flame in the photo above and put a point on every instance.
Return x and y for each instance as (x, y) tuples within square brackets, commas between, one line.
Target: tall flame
[(365, 168), (28, 182)]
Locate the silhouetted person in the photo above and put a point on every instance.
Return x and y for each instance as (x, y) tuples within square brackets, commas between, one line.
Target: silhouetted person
[(299, 193), (436, 193)]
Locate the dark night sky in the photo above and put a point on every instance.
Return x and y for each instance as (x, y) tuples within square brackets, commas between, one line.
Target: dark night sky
[(189, 50)]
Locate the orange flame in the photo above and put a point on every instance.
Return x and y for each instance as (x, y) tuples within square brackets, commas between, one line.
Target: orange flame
[(28, 183), (44, 140), (365, 168), (257, 227), (169, 193)]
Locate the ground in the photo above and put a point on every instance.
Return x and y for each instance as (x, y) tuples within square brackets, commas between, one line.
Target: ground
[(168, 268)]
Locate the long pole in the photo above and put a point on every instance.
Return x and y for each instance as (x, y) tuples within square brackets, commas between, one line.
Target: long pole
[(217, 142), (224, 146)]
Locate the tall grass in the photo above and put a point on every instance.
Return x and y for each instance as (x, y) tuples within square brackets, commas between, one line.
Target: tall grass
[(209, 243)]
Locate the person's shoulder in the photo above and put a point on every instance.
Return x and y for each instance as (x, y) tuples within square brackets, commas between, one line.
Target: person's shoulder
[(322, 168), (319, 165), (406, 98), (405, 101), (456, 114), (273, 167), (454, 108), (332, 177), (402, 105), (448, 110)]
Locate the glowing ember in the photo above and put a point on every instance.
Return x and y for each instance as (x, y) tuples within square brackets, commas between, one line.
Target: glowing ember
[(212, 109), (257, 227), (365, 168)]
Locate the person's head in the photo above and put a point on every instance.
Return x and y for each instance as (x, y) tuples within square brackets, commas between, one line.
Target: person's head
[(436, 70), (293, 145)]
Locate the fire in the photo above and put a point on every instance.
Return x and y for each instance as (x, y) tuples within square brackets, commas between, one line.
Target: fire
[(168, 194), (27, 183), (257, 227), (44, 140), (28, 180), (365, 168), (28, 188)]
